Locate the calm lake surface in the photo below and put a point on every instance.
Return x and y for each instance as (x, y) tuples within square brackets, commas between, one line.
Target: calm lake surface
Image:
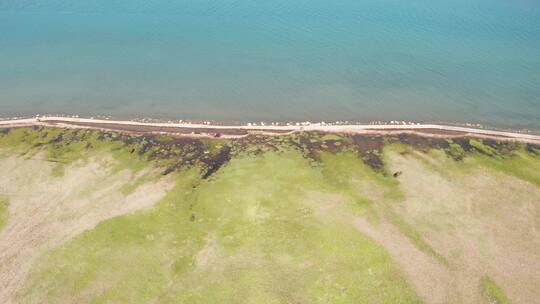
[(279, 60)]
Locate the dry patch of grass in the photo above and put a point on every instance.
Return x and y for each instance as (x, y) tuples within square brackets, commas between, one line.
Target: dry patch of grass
[(46, 209), (478, 217), (431, 280)]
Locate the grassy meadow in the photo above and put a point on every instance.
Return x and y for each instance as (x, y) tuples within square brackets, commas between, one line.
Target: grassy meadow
[(104, 217)]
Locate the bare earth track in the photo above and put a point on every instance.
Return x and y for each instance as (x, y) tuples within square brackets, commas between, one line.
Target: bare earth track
[(206, 130)]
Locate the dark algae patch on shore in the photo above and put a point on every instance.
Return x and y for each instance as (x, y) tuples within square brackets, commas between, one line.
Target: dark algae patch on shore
[(370, 150), (177, 153), (307, 217)]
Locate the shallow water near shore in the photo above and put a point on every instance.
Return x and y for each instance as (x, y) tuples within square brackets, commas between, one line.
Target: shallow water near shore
[(452, 61)]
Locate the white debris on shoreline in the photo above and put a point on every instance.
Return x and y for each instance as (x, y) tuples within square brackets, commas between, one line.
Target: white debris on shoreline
[(338, 127)]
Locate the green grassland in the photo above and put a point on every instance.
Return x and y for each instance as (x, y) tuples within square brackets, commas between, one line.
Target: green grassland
[(4, 203), (493, 292), (268, 219)]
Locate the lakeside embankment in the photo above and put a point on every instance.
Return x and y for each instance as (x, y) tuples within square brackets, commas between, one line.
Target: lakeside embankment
[(215, 130)]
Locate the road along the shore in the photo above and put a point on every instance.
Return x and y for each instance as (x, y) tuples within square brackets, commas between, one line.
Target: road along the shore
[(126, 125)]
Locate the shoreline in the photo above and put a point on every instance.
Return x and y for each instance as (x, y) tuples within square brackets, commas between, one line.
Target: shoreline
[(233, 131)]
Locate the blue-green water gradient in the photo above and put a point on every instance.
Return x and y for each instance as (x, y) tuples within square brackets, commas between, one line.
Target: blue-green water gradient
[(239, 60)]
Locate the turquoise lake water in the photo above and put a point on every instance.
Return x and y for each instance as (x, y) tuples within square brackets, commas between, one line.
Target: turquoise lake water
[(278, 60)]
